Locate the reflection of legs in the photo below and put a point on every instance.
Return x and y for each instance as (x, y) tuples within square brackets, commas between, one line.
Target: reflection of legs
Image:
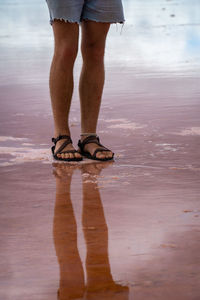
[(65, 237), (99, 277), (96, 236)]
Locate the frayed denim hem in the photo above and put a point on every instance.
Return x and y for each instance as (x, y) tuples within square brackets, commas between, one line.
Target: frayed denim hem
[(87, 19), (63, 19), (104, 21)]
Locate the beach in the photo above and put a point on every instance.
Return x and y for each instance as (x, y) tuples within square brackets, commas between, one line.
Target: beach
[(127, 229)]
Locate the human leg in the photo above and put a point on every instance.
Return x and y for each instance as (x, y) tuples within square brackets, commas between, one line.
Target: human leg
[(92, 78), (61, 79)]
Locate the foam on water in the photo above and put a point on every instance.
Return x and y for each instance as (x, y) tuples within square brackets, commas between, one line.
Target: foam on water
[(11, 138), (20, 155), (131, 126), (190, 131), (124, 124)]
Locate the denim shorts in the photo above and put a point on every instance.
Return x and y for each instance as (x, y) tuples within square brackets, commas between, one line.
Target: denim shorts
[(75, 11)]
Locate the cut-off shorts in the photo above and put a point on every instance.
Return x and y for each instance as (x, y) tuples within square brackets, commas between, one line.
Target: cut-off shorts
[(75, 11)]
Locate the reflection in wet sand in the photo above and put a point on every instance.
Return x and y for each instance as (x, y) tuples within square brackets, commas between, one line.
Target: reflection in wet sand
[(100, 283)]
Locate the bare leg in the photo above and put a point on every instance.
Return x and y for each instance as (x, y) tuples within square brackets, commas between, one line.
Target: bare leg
[(61, 78), (92, 78)]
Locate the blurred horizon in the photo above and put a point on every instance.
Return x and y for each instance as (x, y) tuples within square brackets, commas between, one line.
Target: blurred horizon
[(159, 38)]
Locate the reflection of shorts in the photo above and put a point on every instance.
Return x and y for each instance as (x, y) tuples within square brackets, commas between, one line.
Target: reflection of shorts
[(77, 10)]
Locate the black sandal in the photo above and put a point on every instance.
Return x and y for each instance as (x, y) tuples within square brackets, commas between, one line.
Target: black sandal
[(95, 140), (68, 141)]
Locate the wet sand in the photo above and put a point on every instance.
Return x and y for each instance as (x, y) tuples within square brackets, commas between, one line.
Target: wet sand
[(127, 229)]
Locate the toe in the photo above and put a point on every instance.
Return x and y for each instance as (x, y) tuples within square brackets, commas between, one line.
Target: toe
[(63, 155), (71, 155), (109, 154), (104, 154), (100, 155), (77, 155), (67, 155)]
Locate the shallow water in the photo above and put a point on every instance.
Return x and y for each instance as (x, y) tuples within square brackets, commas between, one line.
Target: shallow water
[(122, 230)]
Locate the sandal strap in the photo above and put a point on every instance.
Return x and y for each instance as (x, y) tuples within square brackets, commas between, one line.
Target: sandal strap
[(67, 142), (92, 139), (88, 140), (70, 151), (55, 140)]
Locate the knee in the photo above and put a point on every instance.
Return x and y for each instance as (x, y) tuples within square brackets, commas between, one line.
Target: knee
[(93, 53), (66, 53)]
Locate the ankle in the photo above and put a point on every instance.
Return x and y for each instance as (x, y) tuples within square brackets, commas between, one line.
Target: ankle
[(85, 135), (61, 132)]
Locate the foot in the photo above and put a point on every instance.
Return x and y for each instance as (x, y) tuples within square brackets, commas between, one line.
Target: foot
[(68, 147), (95, 169), (107, 290), (91, 147), (63, 172)]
